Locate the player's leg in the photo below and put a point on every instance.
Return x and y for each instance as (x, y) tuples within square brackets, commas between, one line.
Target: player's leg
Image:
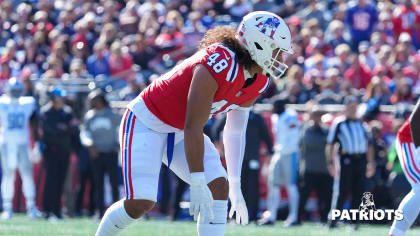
[(291, 185), (141, 154), (409, 159), (7, 183), (216, 178), (273, 197), (25, 170), (275, 181)]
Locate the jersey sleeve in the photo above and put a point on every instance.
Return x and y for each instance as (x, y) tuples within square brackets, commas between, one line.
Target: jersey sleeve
[(221, 62)]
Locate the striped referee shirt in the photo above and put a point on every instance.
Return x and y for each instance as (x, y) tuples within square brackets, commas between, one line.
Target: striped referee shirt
[(350, 134)]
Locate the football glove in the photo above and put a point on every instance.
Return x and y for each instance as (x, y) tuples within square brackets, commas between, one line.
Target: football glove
[(238, 203), (201, 199)]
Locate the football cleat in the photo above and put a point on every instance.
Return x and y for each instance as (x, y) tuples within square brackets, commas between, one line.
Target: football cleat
[(6, 215)]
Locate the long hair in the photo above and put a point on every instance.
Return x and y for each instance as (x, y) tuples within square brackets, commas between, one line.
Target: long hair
[(227, 36)]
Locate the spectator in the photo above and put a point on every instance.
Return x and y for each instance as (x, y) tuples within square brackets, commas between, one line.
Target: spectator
[(99, 134), (336, 28), (133, 89), (377, 93), (402, 92), (313, 164), (58, 132), (341, 59), (406, 18), (151, 5), (328, 94), (129, 19), (315, 11), (355, 157), (361, 19), (5, 72), (65, 25), (98, 63), (120, 62), (365, 56), (358, 74), (238, 8)]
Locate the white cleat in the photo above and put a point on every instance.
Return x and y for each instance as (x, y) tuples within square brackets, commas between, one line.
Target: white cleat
[(6, 215), (33, 213)]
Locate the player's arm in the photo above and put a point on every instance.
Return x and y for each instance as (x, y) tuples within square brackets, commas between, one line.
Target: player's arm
[(329, 149), (415, 124), (234, 140), (200, 98)]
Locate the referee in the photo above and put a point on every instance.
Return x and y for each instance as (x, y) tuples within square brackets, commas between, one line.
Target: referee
[(355, 159)]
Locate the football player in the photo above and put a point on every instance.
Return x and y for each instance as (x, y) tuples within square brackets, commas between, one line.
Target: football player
[(165, 124), (283, 169), (408, 150), (17, 113)]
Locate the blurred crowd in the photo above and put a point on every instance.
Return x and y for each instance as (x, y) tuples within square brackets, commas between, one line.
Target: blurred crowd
[(369, 49)]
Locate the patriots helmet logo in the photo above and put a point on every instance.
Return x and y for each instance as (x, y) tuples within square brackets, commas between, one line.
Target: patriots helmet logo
[(269, 26)]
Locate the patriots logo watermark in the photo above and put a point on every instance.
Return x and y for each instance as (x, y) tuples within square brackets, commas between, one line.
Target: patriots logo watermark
[(367, 211), (269, 26), (367, 202)]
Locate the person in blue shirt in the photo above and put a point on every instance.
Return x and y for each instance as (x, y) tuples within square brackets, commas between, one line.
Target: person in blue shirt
[(361, 19), (98, 63)]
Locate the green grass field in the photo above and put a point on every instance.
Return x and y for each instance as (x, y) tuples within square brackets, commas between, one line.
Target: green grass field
[(19, 225)]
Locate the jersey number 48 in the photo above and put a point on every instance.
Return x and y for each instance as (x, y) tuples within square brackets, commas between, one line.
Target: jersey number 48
[(218, 66)]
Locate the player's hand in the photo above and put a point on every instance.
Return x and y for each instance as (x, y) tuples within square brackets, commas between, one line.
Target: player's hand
[(93, 151), (201, 199), (35, 153), (370, 169), (238, 203), (331, 169)]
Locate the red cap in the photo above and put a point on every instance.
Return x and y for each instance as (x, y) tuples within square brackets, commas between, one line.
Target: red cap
[(295, 20)]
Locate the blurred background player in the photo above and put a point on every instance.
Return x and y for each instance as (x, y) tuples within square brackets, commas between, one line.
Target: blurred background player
[(283, 168), (407, 145), (16, 114), (227, 75)]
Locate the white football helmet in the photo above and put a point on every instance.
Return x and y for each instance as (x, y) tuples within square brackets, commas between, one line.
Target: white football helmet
[(261, 33), (14, 88)]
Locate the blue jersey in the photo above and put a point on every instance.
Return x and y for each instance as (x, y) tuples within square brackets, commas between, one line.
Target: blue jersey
[(362, 21)]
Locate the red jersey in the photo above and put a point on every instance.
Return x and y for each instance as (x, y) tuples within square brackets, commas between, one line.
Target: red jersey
[(404, 133), (404, 20), (167, 96)]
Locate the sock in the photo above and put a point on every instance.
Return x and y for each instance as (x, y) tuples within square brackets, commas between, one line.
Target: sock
[(293, 193), (410, 207), (115, 220), (273, 201), (28, 187), (217, 226), (8, 188)]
